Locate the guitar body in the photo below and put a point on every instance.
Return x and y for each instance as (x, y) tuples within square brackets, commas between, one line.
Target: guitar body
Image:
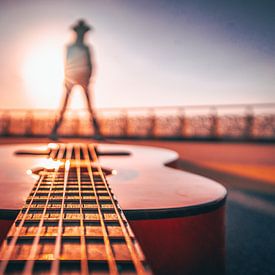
[(177, 217)]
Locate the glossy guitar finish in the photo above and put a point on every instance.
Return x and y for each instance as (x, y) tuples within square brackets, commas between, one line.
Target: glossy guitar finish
[(177, 217)]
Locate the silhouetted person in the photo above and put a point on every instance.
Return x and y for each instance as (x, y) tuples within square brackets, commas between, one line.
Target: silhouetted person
[(78, 70)]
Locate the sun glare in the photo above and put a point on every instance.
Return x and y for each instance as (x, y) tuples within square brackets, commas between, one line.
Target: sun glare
[(43, 74)]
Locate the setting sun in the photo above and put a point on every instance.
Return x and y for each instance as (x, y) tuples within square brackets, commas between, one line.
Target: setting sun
[(43, 73)]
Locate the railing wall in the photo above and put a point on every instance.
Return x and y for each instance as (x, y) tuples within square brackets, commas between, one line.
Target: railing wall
[(241, 122)]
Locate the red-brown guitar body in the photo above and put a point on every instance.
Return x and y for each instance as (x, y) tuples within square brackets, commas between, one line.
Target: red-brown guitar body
[(177, 217)]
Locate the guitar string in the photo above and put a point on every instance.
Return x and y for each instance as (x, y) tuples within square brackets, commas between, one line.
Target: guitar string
[(57, 250), (84, 260), (135, 257), (8, 248), (31, 259), (109, 252)]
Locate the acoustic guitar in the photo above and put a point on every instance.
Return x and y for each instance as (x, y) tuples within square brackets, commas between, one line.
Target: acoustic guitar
[(99, 208)]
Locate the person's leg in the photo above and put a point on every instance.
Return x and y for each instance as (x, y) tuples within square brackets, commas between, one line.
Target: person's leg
[(92, 115), (63, 109)]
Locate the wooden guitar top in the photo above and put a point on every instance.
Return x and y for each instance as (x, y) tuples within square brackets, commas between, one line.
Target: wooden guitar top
[(141, 182)]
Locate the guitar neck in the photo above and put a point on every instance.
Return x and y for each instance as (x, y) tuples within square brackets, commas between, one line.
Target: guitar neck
[(71, 222)]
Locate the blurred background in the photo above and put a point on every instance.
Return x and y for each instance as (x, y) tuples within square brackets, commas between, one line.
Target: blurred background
[(148, 53)]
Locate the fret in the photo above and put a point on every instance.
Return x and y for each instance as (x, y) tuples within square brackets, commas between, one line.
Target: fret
[(71, 222)]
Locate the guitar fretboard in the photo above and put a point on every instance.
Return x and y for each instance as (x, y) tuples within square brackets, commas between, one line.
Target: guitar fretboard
[(71, 222)]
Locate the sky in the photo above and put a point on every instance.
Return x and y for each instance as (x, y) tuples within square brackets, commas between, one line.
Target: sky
[(147, 53)]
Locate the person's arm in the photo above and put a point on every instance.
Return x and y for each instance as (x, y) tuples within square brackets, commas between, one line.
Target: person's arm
[(89, 60), (92, 63), (66, 58)]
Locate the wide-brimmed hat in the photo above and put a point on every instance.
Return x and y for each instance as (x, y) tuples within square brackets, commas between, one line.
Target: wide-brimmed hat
[(81, 26)]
